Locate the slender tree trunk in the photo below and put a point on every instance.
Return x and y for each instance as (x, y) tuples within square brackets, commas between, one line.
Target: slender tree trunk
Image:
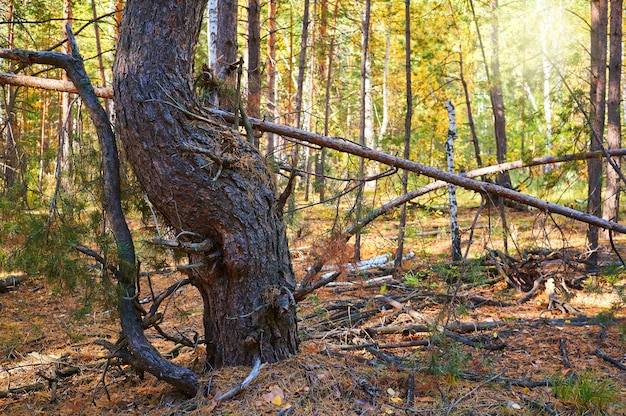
[(295, 150), (271, 76), (226, 63), (384, 124), (254, 61), (599, 11), (614, 131), (470, 115), (497, 100), (103, 80), (43, 142), (328, 74), (454, 222), (66, 125), (408, 118), (209, 183), (363, 124), (119, 7), (212, 34), (547, 75), (10, 162)]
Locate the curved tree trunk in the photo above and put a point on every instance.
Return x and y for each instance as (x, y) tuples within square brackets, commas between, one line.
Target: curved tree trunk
[(209, 183)]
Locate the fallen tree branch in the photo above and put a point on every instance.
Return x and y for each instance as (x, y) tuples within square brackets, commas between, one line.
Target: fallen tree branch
[(464, 182), (458, 327), (302, 291), (23, 389), (244, 384), (346, 146), (609, 359), (8, 283)]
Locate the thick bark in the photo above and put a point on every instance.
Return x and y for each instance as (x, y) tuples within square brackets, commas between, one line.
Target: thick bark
[(614, 131), (209, 184), (597, 94)]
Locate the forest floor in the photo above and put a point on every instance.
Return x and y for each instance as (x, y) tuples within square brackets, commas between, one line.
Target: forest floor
[(459, 343)]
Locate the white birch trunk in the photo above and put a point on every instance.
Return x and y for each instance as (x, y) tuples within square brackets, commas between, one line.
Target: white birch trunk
[(454, 223)]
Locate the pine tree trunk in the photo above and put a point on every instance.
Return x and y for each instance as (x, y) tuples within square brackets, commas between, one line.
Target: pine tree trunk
[(614, 131), (599, 10), (208, 182), (497, 100), (270, 107), (408, 117), (254, 61), (364, 120), (65, 116), (9, 167)]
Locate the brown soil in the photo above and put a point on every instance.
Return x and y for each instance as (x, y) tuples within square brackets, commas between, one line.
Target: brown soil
[(344, 366)]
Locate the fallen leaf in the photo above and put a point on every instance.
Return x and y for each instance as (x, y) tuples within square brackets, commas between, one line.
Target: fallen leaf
[(275, 395), (425, 399)]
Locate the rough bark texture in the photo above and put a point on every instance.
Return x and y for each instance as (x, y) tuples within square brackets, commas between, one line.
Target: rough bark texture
[(208, 182)]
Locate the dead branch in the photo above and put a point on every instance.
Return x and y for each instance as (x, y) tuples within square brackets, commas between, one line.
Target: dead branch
[(24, 389), (98, 258), (563, 349), (412, 313), (8, 283), (464, 182), (405, 344), (205, 245), (244, 384), (509, 381), (46, 83), (609, 359), (491, 343), (302, 291), (455, 326)]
